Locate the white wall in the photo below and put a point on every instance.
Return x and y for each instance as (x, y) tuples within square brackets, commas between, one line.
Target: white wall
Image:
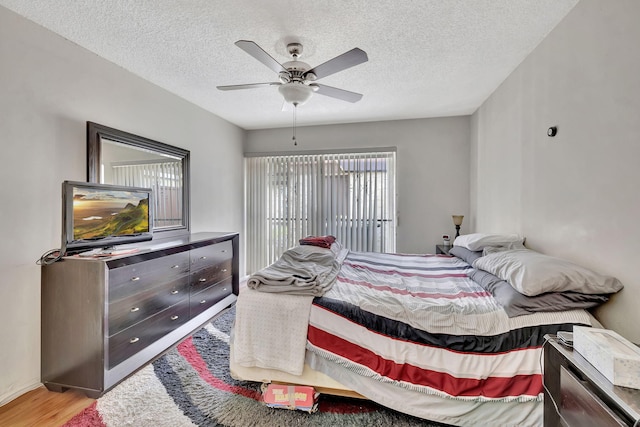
[(49, 88), (432, 168), (575, 195)]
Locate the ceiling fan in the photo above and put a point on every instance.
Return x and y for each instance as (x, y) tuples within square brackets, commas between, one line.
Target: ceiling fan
[(297, 80)]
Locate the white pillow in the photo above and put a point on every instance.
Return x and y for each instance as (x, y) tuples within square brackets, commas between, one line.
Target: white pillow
[(532, 273), (478, 241)]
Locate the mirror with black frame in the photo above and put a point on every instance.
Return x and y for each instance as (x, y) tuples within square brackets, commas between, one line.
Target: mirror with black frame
[(121, 158)]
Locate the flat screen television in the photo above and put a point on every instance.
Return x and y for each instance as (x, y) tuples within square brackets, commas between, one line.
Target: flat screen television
[(102, 216)]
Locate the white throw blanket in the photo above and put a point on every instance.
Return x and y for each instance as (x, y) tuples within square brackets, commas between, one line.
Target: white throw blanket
[(301, 270), (270, 330)]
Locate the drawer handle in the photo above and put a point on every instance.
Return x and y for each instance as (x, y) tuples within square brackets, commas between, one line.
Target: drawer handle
[(174, 292), (223, 251), (203, 301), (224, 289), (134, 309), (134, 340), (224, 270), (175, 266), (203, 257), (202, 280), (174, 317), (135, 279)]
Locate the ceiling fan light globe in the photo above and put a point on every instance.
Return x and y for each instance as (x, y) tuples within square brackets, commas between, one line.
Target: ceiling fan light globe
[(295, 93)]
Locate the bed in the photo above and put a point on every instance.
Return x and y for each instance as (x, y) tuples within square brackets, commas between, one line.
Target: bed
[(414, 333)]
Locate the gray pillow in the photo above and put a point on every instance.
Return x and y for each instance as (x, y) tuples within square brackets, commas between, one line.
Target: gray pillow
[(517, 304), (465, 254), (532, 273)]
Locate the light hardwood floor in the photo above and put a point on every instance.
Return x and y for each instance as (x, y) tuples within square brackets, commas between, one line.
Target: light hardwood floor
[(43, 408)]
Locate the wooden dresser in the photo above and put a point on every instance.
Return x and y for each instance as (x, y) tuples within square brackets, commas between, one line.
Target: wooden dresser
[(104, 318)]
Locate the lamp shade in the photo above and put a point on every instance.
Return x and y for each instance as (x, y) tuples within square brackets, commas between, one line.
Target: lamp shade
[(457, 219)]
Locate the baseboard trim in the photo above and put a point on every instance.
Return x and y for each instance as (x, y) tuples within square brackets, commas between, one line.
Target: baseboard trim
[(4, 399)]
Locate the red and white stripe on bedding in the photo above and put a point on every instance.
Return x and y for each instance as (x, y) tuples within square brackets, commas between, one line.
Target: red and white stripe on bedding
[(418, 322)]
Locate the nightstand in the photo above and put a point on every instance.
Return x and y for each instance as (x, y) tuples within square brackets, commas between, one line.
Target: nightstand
[(584, 397), (443, 250)]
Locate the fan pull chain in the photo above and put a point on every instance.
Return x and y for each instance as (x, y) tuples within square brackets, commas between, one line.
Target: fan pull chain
[(295, 109)]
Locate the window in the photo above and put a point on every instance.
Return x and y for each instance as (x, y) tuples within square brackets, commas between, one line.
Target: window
[(349, 196)]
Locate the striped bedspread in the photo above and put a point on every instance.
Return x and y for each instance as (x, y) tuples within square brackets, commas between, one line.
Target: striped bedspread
[(418, 322)]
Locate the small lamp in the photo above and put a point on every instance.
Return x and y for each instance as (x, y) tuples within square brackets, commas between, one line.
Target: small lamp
[(457, 221)]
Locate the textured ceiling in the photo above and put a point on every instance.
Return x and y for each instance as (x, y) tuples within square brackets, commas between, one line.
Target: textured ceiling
[(427, 58)]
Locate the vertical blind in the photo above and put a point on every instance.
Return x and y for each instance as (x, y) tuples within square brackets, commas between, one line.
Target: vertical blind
[(349, 196), (164, 178)]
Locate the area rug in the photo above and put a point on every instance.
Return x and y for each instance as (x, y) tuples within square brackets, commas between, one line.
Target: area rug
[(191, 386)]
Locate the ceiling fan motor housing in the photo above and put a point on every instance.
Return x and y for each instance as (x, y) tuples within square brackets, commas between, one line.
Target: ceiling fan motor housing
[(296, 71), (297, 67)]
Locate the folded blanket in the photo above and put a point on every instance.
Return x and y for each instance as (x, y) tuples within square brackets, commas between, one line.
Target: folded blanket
[(270, 330), (320, 241), (302, 270)]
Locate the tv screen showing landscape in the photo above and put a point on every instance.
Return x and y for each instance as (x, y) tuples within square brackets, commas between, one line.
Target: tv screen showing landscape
[(99, 213)]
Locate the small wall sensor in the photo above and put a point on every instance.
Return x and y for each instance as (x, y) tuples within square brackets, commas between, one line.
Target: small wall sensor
[(552, 131)]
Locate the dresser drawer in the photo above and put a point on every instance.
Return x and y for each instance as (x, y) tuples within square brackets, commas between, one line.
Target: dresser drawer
[(204, 299), (210, 275), (579, 406), (135, 278), (132, 340), (137, 307), (211, 255)]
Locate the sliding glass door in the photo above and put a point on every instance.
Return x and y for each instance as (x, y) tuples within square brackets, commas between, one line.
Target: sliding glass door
[(349, 195)]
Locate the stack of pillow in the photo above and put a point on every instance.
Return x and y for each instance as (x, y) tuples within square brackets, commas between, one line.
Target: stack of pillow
[(524, 281)]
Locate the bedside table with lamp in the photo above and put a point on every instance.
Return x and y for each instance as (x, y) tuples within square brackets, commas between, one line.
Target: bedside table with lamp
[(447, 244)]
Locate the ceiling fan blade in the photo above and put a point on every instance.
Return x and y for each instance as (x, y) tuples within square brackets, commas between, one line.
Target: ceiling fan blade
[(248, 86), (347, 60), (257, 52), (334, 92)]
